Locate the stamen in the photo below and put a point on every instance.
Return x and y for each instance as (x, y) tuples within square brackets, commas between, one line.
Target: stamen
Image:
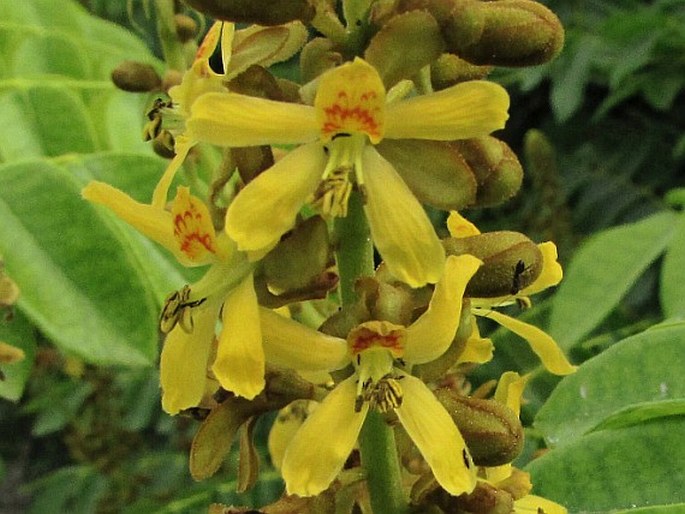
[(177, 311), (384, 396)]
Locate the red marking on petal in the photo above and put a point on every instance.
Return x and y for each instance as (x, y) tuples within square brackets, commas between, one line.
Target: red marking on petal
[(349, 116), (364, 339), (188, 230)]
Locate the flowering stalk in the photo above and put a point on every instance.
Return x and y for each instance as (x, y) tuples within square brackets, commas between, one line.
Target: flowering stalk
[(354, 255)]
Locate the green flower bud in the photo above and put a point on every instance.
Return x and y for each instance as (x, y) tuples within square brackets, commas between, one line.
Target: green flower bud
[(435, 172), (493, 433), (389, 53), (317, 56), (511, 262), (449, 70), (299, 258), (136, 77), (513, 33), (497, 170), (261, 12)]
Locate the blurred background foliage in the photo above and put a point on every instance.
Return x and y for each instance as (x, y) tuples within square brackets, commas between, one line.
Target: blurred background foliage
[(82, 430)]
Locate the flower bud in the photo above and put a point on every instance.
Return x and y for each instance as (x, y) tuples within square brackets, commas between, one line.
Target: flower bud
[(497, 170), (186, 27), (261, 12), (449, 70), (493, 433), (136, 77), (299, 258), (317, 56), (504, 33), (511, 262)]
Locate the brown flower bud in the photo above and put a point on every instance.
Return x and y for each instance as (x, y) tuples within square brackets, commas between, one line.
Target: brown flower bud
[(511, 262), (493, 433), (136, 77), (261, 12), (504, 33), (449, 70), (498, 172), (186, 27)]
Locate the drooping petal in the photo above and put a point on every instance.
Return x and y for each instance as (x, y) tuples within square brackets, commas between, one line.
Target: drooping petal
[(510, 390), (466, 110), (436, 436), (155, 223), (551, 273), (318, 451), (182, 146), (239, 363), (399, 226), (231, 120), (477, 349), (286, 425), (351, 99), (459, 226), (430, 335), (291, 344), (540, 342), (183, 363), (268, 206), (531, 504)]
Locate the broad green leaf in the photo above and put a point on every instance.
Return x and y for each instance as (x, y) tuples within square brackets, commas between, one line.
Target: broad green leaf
[(640, 376), (601, 273), (636, 466), (91, 285), (17, 332), (671, 292)]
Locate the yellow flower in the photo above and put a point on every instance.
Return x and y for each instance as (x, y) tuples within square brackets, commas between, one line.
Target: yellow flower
[(190, 315), (382, 354), (540, 342), (350, 111)]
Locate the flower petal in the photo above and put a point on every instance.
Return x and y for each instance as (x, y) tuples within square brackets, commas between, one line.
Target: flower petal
[(466, 110), (551, 273), (193, 228), (318, 451), (286, 425), (540, 342), (183, 363), (436, 436), (430, 335), (459, 226), (291, 344), (231, 119), (239, 363), (477, 349), (153, 222), (399, 226), (510, 390), (531, 504), (268, 206), (182, 146)]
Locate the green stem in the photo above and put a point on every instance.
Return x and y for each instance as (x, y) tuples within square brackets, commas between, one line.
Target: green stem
[(166, 29), (354, 254)]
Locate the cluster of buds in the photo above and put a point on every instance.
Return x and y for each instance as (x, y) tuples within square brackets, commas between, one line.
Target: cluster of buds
[(393, 113)]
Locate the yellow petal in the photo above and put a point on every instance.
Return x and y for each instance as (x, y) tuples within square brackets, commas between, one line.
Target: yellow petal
[(193, 228), (239, 363), (230, 119), (209, 42), (540, 342), (532, 504), (459, 226), (436, 436), (291, 344), (551, 273), (477, 349), (400, 228), (268, 206), (510, 390), (351, 99), (183, 363), (155, 223), (469, 109), (430, 335), (318, 451), (286, 425), (227, 35)]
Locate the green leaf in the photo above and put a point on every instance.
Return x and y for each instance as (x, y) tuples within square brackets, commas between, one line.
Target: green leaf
[(17, 332), (636, 466), (74, 489), (601, 273), (87, 280), (673, 274), (639, 377)]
